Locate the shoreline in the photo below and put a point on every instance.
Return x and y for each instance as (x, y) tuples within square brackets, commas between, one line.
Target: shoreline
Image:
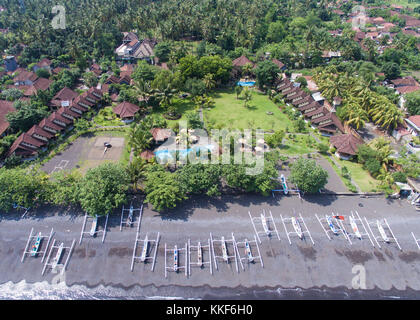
[(300, 269), (204, 292)]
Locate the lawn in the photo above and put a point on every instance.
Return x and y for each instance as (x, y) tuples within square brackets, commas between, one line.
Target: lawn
[(231, 113), (298, 145), (405, 3), (362, 178), (106, 117), (182, 106)]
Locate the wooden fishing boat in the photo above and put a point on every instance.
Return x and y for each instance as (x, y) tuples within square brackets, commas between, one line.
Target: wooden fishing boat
[(94, 226), (297, 227), (224, 250), (57, 257), (382, 231), (144, 251), (265, 224), (355, 228), (248, 251), (200, 255), (331, 224), (36, 245), (176, 259)]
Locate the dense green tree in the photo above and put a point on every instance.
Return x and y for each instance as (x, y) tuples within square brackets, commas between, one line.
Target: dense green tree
[(412, 103), (26, 115), (103, 189), (266, 73), (163, 189), (308, 176), (22, 187)]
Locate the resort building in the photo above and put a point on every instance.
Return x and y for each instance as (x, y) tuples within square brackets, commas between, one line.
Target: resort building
[(413, 124), (126, 111), (5, 108), (134, 49), (346, 145)]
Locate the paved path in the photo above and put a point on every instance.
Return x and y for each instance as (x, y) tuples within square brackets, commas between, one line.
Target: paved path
[(336, 163)]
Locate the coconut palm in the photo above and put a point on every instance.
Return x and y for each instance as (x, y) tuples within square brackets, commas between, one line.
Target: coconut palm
[(139, 138), (209, 81), (136, 171)]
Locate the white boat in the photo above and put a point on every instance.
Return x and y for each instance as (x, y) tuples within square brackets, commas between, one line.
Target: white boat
[(36, 245), (354, 227), (382, 231), (264, 223), (331, 224), (175, 258), (224, 250), (58, 256), (297, 227), (94, 225), (144, 251), (248, 251), (130, 215), (284, 184), (200, 255)]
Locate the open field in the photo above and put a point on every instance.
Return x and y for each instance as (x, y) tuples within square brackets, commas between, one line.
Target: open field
[(230, 112), (327, 264), (363, 179), (88, 152)]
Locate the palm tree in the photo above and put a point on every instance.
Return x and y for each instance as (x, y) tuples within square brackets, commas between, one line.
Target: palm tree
[(209, 81), (139, 138), (247, 97), (164, 97), (136, 171), (357, 117), (247, 69)]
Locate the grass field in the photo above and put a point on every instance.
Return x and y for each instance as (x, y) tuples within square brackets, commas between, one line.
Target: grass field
[(182, 105), (106, 117), (299, 145), (405, 3), (230, 112), (362, 178)]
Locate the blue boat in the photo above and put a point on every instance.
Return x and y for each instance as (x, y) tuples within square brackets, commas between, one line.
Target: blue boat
[(36, 245), (284, 184)]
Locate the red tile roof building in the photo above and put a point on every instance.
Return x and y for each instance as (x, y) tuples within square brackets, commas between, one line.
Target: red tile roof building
[(126, 110), (5, 108)]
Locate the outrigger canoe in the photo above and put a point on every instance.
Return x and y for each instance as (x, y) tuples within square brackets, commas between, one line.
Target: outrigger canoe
[(264, 223), (94, 225), (36, 245), (175, 258), (58, 256), (331, 224), (382, 231), (130, 215), (200, 255), (224, 250), (144, 252), (284, 184), (297, 227), (248, 251), (354, 227)]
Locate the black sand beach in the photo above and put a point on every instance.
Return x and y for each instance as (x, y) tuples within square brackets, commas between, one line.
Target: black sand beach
[(297, 271)]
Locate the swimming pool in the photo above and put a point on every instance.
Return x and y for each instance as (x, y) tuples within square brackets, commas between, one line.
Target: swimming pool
[(169, 155), (246, 83)]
